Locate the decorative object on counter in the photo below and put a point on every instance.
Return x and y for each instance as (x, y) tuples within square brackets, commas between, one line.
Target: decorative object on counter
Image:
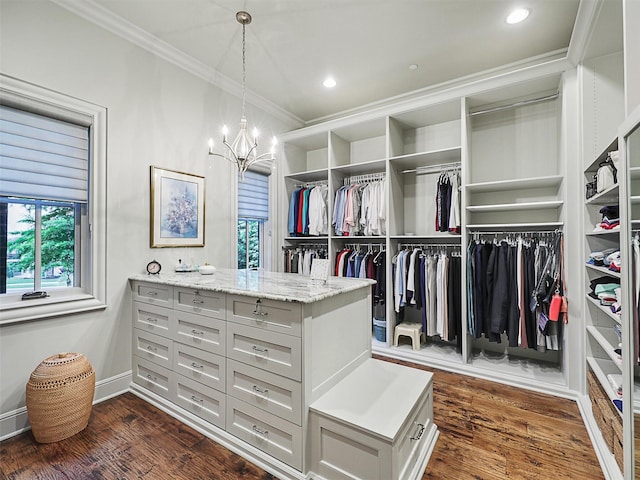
[(184, 267), (59, 396), (206, 269), (177, 209), (154, 267), (320, 269), (243, 151), (34, 295)]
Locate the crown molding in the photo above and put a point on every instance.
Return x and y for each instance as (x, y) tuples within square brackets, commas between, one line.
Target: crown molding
[(97, 14), (588, 11)]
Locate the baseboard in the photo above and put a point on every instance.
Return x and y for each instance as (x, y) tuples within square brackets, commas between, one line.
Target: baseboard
[(250, 453), (605, 457), (17, 421)]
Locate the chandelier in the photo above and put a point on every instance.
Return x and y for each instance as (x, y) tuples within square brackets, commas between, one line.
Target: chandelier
[(243, 151)]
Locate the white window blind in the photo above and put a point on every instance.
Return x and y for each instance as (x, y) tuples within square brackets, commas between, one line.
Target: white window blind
[(253, 196), (41, 157)]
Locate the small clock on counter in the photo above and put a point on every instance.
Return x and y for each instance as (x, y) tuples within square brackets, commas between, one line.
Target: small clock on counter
[(153, 267)]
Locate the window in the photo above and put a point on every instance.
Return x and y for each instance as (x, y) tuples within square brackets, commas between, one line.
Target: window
[(253, 217), (52, 184)]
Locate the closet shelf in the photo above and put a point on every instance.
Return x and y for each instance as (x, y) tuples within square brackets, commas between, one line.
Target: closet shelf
[(602, 232), (603, 309), (418, 237), (505, 207), (517, 184), (425, 159), (610, 195), (319, 238), (308, 176), (510, 227), (372, 166), (603, 270), (601, 368), (360, 238), (607, 339)]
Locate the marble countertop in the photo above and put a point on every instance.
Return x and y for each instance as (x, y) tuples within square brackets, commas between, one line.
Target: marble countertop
[(289, 287)]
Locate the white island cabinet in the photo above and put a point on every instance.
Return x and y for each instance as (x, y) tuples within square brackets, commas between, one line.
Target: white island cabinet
[(242, 355)]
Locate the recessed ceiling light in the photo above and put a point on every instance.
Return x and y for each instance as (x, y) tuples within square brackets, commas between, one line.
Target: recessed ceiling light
[(413, 66), (329, 83), (518, 15)]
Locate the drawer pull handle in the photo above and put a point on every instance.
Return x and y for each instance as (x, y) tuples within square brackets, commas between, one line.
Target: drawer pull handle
[(152, 294), (195, 399), (258, 310), (197, 332), (259, 390), (419, 432), (195, 365), (264, 433), (152, 349), (152, 377), (198, 302), (152, 319), (257, 349)]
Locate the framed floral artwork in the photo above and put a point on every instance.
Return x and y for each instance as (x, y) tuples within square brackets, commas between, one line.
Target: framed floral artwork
[(177, 209)]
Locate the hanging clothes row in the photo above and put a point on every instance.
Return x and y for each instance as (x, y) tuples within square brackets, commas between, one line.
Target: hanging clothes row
[(356, 261), (308, 212), (515, 286), (448, 201), (300, 258), (429, 278), (359, 208)]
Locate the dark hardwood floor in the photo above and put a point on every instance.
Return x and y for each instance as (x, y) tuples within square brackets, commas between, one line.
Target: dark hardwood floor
[(487, 431)]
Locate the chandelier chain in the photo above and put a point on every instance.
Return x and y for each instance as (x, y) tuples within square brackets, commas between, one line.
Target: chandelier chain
[(244, 74)]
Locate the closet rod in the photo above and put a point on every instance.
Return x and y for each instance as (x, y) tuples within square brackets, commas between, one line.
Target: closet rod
[(429, 245), (553, 96), (359, 245), (516, 232), (293, 247), (312, 184), (434, 168), (367, 177)]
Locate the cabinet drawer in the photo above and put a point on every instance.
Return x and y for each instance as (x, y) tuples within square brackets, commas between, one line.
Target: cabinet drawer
[(201, 332), (203, 367), (271, 434), (151, 318), (151, 376), (282, 317), (153, 293), (274, 352), (202, 302), (267, 391), (410, 444), (205, 402), (154, 348)]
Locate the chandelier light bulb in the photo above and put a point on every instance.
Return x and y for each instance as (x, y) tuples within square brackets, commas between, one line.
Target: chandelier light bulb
[(211, 145), (255, 133)]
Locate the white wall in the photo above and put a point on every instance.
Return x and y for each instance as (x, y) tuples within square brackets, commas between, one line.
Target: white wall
[(158, 115)]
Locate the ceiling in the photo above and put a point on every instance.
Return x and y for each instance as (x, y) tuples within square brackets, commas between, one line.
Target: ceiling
[(366, 45)]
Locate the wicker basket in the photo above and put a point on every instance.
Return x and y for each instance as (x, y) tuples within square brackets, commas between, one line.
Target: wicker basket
[(59, 397)]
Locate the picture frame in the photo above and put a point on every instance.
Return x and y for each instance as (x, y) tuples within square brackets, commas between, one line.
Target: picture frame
[(177, 209)]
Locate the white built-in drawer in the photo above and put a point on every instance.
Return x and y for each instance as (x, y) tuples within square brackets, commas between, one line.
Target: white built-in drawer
[(199, 365), (282, 317), (151, 376), (153, 347), (270, 392), (153, 293), (274, 352), (271, 434), (207, 403), (152, 318), (206, 333), (201, 302)]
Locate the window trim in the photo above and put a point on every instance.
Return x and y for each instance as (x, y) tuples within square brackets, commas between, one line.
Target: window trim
[(92, 295)]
